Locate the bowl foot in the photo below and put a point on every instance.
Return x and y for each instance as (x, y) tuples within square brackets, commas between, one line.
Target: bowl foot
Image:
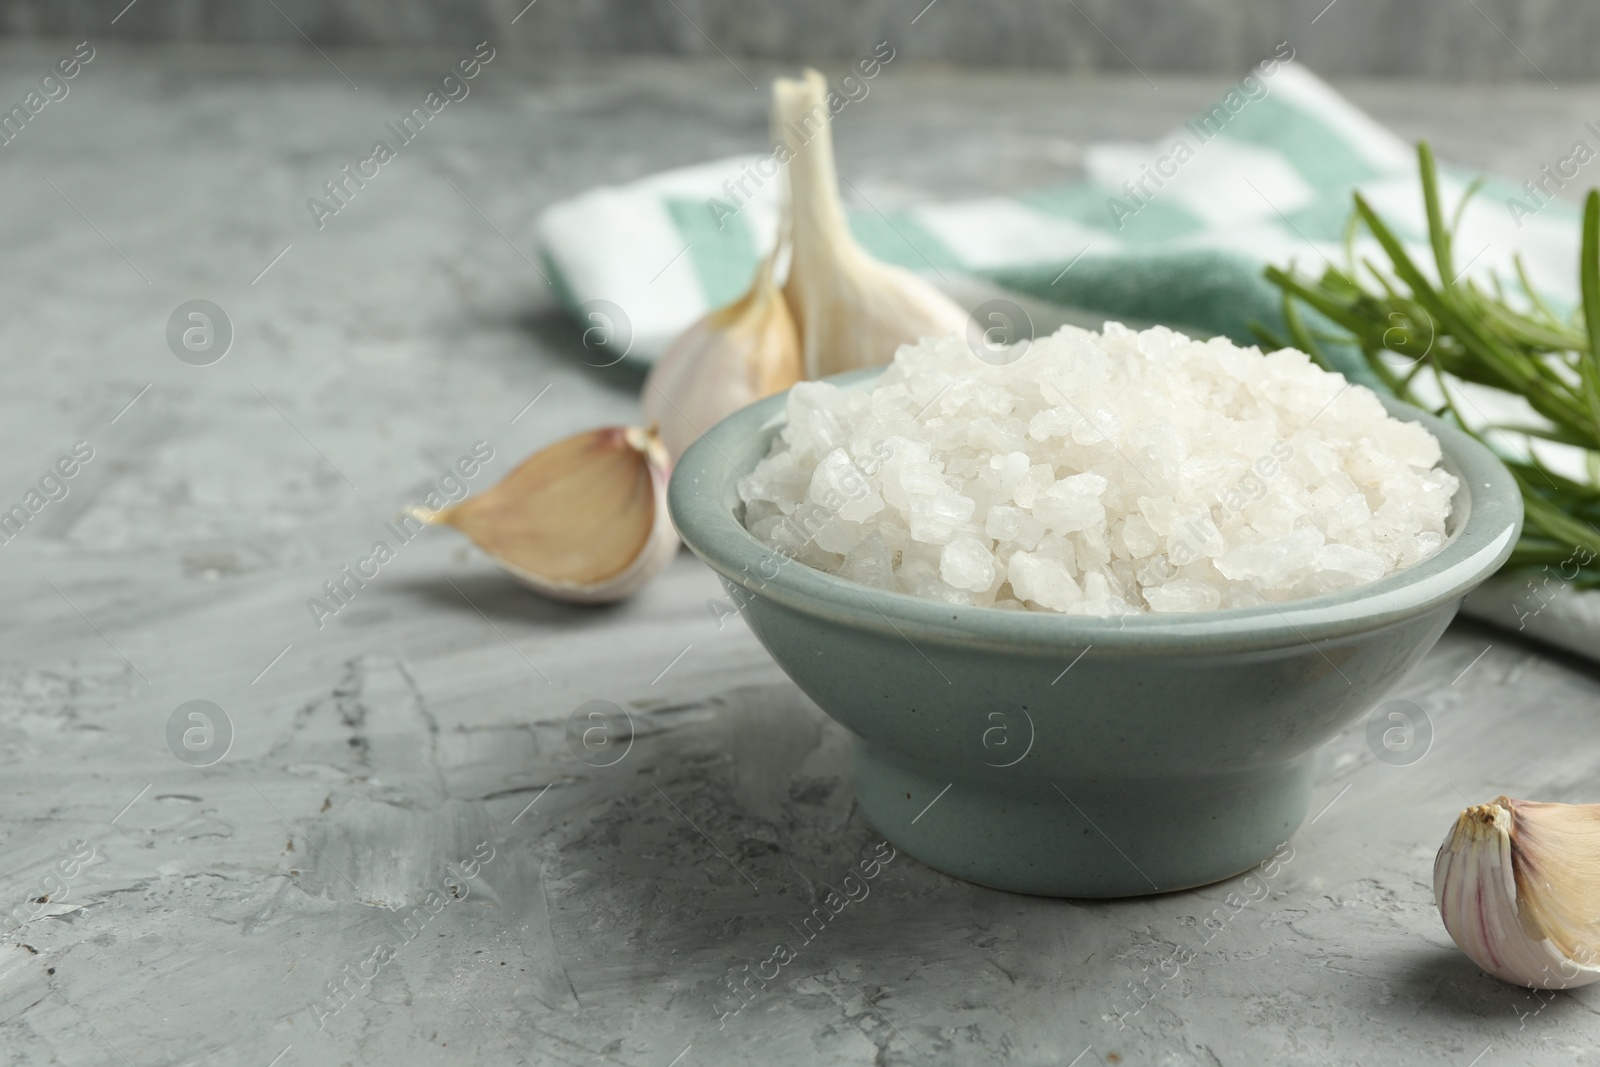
[(1082, 838)]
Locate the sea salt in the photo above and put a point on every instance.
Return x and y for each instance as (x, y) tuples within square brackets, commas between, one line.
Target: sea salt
[(1099, 474)]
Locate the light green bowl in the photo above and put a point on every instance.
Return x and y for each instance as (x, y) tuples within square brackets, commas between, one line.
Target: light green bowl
[(1085, 757)]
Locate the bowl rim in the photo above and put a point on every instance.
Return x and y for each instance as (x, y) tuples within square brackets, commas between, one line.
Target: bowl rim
[(702, 496)]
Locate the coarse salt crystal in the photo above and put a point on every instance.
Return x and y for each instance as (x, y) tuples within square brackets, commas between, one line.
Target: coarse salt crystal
[(966, 563)]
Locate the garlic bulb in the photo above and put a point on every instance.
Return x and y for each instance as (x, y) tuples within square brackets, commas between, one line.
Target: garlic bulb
[(732, 357), (852, 310), (1518, 885), (584, 520)]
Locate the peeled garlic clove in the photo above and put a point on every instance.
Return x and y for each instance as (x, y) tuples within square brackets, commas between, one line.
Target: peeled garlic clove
[(1518, 885), (853, 311), (584, 520), (729, 359)]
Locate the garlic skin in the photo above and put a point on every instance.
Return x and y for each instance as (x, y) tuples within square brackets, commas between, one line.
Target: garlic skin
[(1517, 883), (584, 520), (729, 359), (853, 311)]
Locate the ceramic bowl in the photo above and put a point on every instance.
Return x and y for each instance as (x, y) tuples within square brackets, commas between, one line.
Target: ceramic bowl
[(1085, 757)]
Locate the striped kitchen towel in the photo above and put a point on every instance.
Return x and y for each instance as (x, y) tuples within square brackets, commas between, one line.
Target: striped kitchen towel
[(1174, 231)]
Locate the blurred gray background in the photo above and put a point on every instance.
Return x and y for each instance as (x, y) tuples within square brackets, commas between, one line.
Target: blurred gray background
[(1546, 40)]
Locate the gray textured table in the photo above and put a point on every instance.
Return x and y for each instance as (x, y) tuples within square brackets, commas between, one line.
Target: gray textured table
[(400, 814)]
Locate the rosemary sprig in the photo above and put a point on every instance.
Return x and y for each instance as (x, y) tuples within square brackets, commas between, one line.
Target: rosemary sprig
[(1408, 325)]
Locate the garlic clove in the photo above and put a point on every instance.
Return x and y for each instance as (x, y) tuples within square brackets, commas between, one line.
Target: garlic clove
[(852, 310), (731, 358), (1517, 883), (584, 520)]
